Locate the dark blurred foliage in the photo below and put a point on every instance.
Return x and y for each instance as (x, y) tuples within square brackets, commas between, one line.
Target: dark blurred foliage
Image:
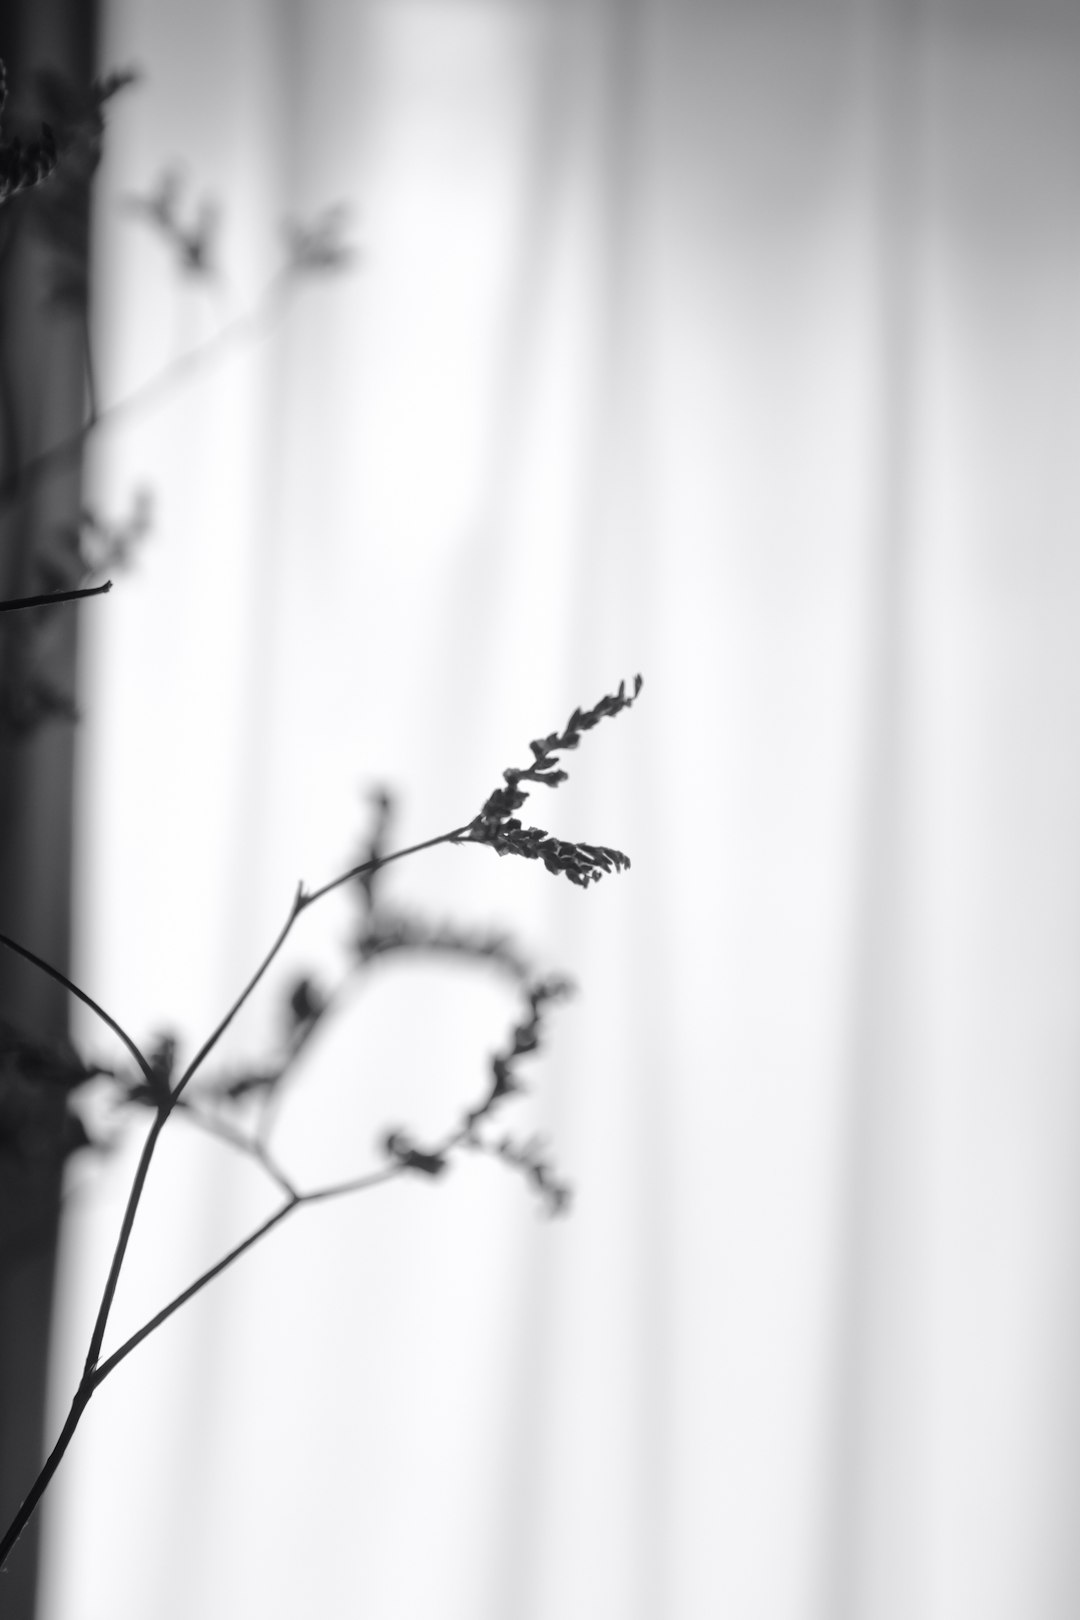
[(46, 182), (240, 1105), (46, 224), (59, 213), (48, 204), (223, 1104), (32, 1074), (69, 556)]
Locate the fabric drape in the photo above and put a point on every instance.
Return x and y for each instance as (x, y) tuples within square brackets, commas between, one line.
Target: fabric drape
[(732, 344)]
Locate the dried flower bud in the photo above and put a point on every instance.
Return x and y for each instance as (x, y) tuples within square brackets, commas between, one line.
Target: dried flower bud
[(306, 1003), (496, 825), (397, 1145)]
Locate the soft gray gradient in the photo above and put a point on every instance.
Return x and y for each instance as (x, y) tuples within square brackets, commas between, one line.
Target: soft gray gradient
[(734, 343)]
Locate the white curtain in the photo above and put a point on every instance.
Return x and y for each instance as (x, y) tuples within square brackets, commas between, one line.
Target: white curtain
[(737, 344)]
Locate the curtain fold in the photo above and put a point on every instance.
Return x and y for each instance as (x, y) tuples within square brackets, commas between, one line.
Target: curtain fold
[(736, 345)]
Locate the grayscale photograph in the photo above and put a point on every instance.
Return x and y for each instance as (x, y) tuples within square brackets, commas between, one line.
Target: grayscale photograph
[(539, 809)]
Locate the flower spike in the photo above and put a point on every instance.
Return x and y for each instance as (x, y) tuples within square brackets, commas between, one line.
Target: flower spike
[(497, 825)]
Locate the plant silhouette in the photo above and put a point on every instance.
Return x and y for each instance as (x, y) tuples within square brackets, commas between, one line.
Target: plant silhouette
[(55, 169)]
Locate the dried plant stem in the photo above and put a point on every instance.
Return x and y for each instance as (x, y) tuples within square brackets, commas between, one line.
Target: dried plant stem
[(91, 372), (102, 1372), (95, 1370), (295, 1200), (88, 1001), (301, 902), (582, 863), (41, 1484), (14, 603), (254, 1147), (131, 1208), (382, 860), (266, 311)]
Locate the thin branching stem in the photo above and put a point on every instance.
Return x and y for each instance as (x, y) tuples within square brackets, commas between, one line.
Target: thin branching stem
[(251, 1146), (62, 978), (271, 1100), (142, 1170), (269, 306), (91, 371), (44, 1479), (382, 860), (355, 1184), (102, 1371), (486, 828), (301, 901), (15, 603), (294, 1200), (95, 1373)]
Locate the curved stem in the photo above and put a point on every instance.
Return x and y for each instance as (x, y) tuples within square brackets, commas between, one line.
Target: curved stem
[(95, 1372), (382, 860), (295, 1200), (62, 978), (298, 905), (28, 475), (102, 1372), (14, 603), (271, 1101), (101, 1321), (42, 1482), (90, 368), (301, 901), (250, 1146), (338, 1189)]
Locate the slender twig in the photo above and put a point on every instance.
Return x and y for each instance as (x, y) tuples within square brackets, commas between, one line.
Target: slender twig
[(95, 1374), (95, 1370), (15, 603), (142, 1169), (355, 1184), (270, 1102), (294, 1200), (26, 477), (301, 901), (91, 371), (491, 826), (100, 1373), (41, 1484), (249, 1145), (383, 860), (62, 978)]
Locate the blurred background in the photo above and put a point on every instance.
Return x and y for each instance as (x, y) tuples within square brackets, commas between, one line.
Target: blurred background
[(733, 343)]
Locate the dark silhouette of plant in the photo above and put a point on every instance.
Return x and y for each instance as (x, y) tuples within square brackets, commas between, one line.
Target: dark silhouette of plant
[(155, 1085), (24, 163), (69, 564), (238, 1108)]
